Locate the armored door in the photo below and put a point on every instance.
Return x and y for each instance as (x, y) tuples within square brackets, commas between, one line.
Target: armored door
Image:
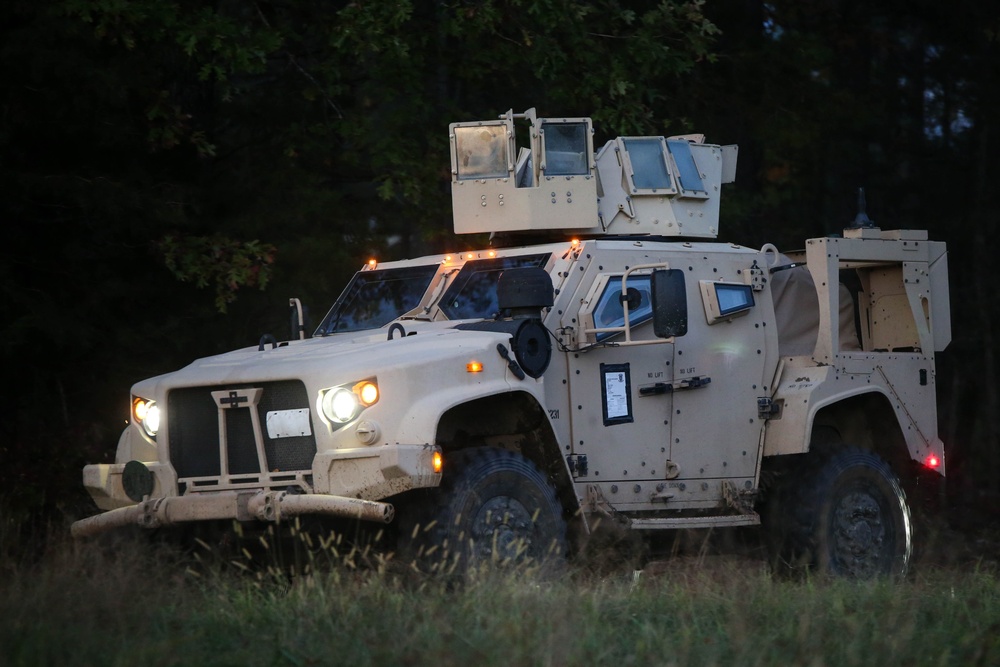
[(620, 411)]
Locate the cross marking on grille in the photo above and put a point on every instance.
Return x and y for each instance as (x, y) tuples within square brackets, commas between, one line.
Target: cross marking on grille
[(234, 400)]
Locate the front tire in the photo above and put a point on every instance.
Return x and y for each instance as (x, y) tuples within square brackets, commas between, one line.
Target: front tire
[(846, 515), (494, 508)]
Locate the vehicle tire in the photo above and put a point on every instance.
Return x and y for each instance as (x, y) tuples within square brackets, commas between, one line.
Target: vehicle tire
[(844, 515), (494, 508)]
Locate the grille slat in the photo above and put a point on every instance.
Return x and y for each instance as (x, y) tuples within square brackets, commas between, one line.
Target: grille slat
[(193, 420)]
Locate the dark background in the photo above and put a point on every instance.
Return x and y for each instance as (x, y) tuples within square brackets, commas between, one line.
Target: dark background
[(172, 172)]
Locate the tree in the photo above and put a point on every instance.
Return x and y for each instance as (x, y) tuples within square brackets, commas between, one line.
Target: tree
[(234, 145)]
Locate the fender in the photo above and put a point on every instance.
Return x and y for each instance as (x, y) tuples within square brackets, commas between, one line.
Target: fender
[(420, 422), (805, 391)]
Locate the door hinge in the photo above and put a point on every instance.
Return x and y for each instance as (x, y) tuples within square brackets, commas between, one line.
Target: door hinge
[(767, 408), (755, 277), (577, 465)]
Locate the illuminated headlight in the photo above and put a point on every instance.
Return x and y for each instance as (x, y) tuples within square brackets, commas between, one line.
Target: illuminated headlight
[(342, 404), (146, 414)]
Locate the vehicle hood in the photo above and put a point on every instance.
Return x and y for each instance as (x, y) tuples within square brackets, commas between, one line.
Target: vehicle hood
[(342, 355)]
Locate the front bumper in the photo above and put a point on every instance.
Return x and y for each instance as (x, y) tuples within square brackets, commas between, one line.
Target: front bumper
[(346, 483), (238, 505)]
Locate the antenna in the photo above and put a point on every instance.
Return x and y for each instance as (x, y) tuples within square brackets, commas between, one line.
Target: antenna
[(861, 220)]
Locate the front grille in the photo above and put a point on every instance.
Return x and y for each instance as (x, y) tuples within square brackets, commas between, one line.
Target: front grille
[(193, 421)]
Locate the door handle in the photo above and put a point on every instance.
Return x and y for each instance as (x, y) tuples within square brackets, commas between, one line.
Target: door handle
[(692, 383), (666, 388), (655, 389)]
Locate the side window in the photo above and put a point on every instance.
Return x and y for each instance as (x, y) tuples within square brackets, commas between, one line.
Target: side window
[(609, 311), (724, 301), (647, 164), (566, 149), (689, 175), (473, 293), (481, 151)]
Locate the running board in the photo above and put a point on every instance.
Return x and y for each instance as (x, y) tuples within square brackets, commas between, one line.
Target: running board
[(695, 522)]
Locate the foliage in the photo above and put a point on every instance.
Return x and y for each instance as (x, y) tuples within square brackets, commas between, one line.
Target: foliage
[(222, 262), (126, 603)]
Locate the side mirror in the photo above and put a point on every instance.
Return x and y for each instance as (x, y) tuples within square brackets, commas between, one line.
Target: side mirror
[(669, 297)]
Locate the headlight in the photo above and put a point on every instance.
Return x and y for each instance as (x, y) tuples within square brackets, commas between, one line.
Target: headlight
[(146, 414), (342, 404)]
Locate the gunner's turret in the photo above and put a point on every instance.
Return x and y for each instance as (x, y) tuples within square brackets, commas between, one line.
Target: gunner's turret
[(649, 185)]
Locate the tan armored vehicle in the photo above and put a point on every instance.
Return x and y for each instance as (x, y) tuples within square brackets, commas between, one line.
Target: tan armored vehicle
[(630, 368)]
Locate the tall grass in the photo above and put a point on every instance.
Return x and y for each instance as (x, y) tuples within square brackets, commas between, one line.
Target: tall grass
[(128, 602)]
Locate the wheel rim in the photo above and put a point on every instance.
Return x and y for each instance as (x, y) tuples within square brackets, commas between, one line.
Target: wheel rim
[(860, 534), (502, 530)]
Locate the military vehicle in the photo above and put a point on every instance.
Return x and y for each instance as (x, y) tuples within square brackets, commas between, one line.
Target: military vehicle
[(605, 358)]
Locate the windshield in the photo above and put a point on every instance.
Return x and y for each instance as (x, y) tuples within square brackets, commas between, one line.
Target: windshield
[(473, 294), (374, 298)]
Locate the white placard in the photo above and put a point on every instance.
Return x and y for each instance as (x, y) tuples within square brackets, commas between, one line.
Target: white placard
[(616, 394), (288, 423)]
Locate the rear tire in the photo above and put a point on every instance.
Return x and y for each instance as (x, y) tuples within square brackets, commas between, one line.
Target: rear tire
[(494, 508), (844, 515)]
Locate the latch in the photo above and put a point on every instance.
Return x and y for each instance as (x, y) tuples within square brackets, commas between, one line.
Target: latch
[(662, 494), (768, 409), (511, 364)]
